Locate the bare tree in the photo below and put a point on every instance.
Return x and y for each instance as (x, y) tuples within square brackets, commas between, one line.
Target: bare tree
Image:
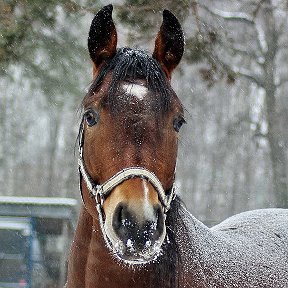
[(266, 23)]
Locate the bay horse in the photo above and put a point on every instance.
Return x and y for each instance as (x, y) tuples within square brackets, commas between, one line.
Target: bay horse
[(133, 230)]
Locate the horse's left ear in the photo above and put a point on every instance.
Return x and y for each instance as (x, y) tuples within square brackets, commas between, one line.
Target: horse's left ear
[(169, 43), (102, 39)]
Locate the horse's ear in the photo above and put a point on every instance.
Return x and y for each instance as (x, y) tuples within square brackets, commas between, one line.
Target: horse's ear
[(169, 43), (102, 39)]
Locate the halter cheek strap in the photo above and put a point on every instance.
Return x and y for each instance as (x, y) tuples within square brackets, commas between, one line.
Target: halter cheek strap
[(101, 191)]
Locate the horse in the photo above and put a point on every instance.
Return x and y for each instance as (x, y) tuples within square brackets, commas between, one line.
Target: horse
[(133, 229)]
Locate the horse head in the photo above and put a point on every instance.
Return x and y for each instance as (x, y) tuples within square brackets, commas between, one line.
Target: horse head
[(128, 137)]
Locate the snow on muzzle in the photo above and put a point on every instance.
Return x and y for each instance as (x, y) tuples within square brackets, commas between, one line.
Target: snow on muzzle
[(138, 241)]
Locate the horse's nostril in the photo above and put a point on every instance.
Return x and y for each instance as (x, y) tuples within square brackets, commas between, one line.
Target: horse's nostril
[(118, 217), (123, 221), (159, 222)]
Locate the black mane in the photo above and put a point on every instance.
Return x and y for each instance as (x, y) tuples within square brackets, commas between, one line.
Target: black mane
[(131, 64), (170, 262)]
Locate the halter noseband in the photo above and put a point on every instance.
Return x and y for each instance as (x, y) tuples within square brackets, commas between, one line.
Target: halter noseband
[(101, 191)]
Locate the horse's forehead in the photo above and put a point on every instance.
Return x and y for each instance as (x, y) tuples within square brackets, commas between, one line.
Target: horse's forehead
[(138, 90), (133, 97), (135, 92), (123, 97)]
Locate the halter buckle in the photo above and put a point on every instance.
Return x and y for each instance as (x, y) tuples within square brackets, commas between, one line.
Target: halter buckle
[(99, 198)]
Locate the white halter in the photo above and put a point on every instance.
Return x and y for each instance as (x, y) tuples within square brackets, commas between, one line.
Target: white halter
[(101, 191)]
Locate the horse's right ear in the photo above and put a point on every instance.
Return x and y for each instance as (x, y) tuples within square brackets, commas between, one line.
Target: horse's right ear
[(102, 39)]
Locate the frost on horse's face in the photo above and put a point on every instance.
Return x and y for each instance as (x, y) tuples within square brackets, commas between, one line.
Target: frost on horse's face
[(138, 120)]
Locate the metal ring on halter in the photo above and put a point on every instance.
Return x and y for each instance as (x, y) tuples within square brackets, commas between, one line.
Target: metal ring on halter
[(99, 199)]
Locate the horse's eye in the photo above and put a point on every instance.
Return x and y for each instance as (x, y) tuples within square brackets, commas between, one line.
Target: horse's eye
[(178, 122), (91, 117)]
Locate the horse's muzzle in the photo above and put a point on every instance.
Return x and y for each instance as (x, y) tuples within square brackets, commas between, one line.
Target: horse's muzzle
[(140, 233)]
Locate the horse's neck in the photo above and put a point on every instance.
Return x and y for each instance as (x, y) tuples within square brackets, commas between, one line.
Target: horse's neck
[(195, 256), (79, 251), (92, 264), (191, 236), (202, 253)]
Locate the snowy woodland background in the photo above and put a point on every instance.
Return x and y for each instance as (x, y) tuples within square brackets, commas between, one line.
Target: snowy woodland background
[(233, 81)]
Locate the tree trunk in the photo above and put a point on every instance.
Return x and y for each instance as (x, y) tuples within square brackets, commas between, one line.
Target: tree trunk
[(277, 151), (277, 148), (52, 152)]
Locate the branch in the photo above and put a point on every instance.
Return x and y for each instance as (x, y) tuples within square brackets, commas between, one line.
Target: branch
[(232, 127), (239, 49), (242, 50), (259, 134), (249, 75), (281, 82), (239, 71), (283, 46), (241, 17), (230, 16)]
